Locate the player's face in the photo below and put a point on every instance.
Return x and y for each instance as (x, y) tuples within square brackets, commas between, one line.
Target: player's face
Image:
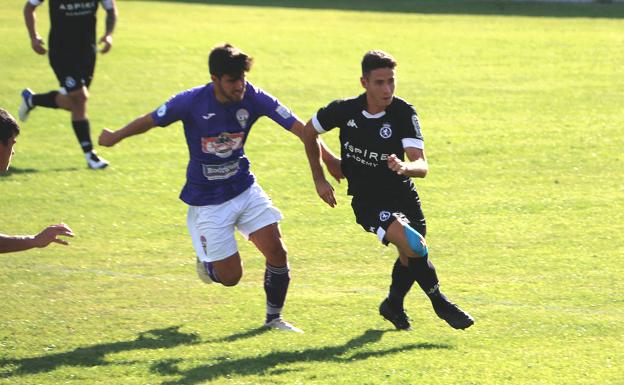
[(229, 89), (6, 153), (379, 85)]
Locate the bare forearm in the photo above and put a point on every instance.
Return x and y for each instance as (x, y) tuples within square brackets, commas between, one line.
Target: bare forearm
[(111, 20), (417, 168), (313, 152), (31, 20), (136, 127), (13, 243)]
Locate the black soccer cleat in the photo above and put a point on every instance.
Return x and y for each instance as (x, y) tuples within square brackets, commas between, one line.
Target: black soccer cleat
[(399, 319), (451, 313)]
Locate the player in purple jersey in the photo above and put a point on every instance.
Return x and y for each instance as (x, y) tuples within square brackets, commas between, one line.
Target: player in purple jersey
[(220, 190), (72, 56), (378, 131)]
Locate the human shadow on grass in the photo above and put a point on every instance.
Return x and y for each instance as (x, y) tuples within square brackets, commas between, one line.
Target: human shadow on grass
[(266, 364), (15, 170), (243, 335), (601, 9), (91, 356)]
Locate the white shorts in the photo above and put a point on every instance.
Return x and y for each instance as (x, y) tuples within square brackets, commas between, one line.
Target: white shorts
[(212, 227)]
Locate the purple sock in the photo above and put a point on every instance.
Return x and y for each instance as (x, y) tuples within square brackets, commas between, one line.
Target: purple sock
[(211, 272), (276, 280)]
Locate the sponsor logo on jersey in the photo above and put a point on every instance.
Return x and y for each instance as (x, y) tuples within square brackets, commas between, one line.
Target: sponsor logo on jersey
[(78, 8), (70, 82), (384, 215), (220, 171), (385, 131), (363, 156), (224, 144), (283, 111), (242, 116), (161, 111), (416, 124), (351, 123), (208, 115)]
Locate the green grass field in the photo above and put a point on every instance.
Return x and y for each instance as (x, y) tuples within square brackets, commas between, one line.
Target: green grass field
[(522, 111)]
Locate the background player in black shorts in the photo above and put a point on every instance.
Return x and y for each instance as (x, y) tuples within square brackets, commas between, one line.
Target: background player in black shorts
[(377, 132), (72, 57)]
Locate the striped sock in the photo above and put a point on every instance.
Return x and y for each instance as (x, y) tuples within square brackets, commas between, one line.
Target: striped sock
[(276, 280)]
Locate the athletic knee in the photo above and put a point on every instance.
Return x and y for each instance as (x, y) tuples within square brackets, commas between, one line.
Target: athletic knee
[(229, 275), (230, 279), (80, 97)]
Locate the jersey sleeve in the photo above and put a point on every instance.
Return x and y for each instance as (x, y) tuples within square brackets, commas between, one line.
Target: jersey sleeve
[(35, 3), (270, 106), (173, 110), (327, 118), (107, 4), (411, 133)]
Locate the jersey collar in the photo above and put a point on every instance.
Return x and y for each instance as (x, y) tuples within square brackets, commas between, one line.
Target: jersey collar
[(373, 116), (367, 114)]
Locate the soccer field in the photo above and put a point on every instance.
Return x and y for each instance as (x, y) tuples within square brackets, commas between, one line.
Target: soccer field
[(521, 106)]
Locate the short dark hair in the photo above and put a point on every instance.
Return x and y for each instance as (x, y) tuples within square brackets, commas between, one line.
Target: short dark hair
[(377, 59), (8, 126), (225, 59)]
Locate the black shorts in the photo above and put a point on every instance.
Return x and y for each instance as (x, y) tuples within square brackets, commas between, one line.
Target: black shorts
[(376, 215), (73, 66)]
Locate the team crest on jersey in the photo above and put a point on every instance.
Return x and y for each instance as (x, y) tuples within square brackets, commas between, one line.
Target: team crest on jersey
[(384, 216), (351, 123), (242, 116), (385, 131), (416, 124), (70, 82), (224, 144)]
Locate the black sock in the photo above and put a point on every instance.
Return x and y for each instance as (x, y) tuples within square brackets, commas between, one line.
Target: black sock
[(83, 133), (45, 100), (402, 281), (424, 273), (276, 280)]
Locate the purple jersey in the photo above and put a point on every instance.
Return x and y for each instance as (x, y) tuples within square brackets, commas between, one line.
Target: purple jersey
[(218, 169)]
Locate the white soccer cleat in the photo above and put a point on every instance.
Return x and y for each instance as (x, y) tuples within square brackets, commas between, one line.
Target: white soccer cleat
[(94, 161), (26, 106), (202, 273), (280, 324)]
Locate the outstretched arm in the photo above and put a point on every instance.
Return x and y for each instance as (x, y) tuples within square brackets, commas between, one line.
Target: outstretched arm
[(50, 234), (140, 125), (332, 162), (312, 145), (36, 42)]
